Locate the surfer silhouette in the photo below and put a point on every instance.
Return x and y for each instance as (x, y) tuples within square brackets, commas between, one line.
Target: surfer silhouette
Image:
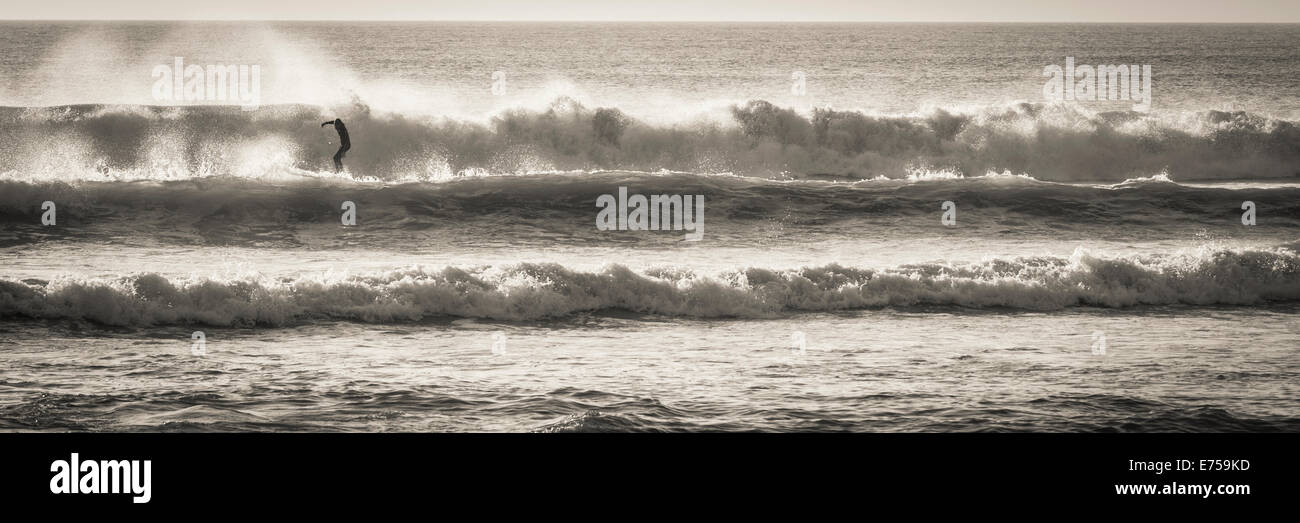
[(344, 145)]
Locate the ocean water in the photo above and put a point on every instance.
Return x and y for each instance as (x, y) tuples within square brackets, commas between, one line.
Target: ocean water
[(1098, 276)]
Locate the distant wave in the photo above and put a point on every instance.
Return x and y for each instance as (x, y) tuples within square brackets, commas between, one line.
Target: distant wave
[(1049, 141), (529, 291)]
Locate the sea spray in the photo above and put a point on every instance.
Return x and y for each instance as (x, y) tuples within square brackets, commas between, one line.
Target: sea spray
[(533, 291)]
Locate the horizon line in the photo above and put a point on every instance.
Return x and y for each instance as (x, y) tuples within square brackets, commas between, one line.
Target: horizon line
[(636, 21)]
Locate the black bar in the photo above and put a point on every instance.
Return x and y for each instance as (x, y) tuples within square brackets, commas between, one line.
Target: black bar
[(329, 471)]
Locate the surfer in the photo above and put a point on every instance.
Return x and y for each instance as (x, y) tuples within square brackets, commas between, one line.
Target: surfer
[(344, 145)]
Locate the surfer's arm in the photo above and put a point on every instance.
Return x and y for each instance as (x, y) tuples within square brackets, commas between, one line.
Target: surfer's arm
[(331, 122)]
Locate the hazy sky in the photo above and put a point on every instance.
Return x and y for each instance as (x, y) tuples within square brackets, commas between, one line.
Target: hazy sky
[(670, 10)]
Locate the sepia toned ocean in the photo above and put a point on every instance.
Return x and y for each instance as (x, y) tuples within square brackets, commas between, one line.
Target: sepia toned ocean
[(900, 233)]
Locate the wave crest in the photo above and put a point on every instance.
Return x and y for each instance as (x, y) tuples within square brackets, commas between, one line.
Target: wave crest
[(1050, 141), (531, 291)]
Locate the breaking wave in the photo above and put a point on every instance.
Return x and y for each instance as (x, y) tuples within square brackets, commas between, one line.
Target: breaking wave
[(1050, 141), (529, 291)]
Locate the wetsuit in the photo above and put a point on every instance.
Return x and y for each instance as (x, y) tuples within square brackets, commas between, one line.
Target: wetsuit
[(344, 145)]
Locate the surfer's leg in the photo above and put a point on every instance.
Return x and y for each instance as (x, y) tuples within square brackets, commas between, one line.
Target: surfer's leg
[(338, 159)]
